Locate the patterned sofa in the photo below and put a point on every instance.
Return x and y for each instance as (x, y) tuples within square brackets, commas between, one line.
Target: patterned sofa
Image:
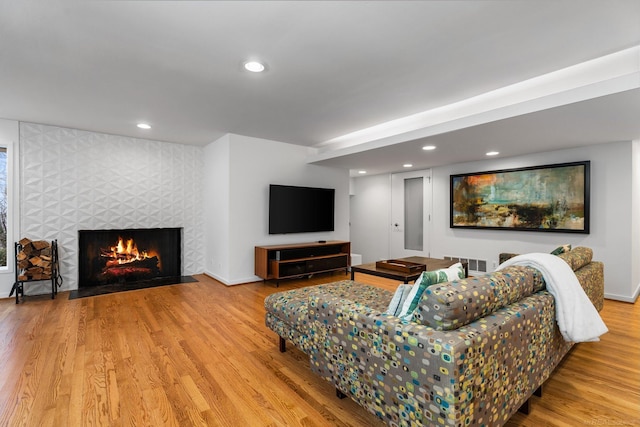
[(474, 352)]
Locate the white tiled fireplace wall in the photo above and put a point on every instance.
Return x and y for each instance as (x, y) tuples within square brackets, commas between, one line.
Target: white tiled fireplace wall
[(75, 180)]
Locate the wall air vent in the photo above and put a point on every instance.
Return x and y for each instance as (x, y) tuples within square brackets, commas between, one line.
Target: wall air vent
[(475, 265)]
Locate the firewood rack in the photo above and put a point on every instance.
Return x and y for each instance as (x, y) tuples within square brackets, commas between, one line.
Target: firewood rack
[(20, 272)]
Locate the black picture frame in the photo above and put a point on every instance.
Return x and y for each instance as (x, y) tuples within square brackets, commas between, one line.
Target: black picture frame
[(548, 198)]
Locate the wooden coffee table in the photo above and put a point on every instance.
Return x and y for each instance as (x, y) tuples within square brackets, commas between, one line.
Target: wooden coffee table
[(431, 263)]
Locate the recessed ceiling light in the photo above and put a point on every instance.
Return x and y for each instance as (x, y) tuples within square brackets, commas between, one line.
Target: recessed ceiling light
[(407, 165), (254, 66), (429, 147), (362, 172), (143, 126), (493, 153)]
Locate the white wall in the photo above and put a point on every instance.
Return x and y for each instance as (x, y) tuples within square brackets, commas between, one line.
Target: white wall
[(216, 201), (73, 180), (255, 163), (612, 210), (371, 217), (635, 221), (9, 136)]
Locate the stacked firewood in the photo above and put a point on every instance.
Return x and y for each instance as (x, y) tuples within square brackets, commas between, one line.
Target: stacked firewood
[(34, 260)]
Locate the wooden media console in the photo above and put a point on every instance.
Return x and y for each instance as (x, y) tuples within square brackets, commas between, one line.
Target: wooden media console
[(301, 259)]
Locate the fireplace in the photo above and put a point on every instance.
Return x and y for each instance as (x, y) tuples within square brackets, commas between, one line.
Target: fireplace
[(127, 256)]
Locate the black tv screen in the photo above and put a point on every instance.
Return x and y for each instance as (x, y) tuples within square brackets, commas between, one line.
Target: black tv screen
[(300, 209)]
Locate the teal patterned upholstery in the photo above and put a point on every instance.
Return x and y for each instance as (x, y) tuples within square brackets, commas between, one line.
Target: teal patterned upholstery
[(502, 257), (474, 352), (454, 304), (578, 257), (411, 374), (590, 273), (287, 312), (591, 277)]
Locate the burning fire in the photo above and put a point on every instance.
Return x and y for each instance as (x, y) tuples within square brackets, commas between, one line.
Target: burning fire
[(124, 253)]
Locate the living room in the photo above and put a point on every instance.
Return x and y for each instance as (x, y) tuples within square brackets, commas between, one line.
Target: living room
[(67, 176), (225, 249)]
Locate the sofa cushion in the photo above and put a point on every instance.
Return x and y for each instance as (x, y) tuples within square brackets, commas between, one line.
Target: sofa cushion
[(291, 306), (577, 257), (426, 279), (454, 304)]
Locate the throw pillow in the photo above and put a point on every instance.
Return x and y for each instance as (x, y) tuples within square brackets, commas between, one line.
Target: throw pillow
[(426, 279), (398, 299), (561, 249)]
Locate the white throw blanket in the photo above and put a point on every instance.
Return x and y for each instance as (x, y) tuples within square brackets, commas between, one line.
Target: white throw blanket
[(577, 318)]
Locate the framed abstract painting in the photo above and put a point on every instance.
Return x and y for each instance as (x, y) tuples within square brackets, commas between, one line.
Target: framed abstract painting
[(550, 198)]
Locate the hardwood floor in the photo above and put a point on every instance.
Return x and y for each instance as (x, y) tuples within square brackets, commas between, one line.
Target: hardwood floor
[(199, 354)]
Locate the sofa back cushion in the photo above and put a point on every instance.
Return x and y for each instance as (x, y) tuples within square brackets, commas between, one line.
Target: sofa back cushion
[(454, 304), (577, 257)]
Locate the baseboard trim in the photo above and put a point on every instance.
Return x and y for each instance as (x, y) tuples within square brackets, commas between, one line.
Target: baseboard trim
[(231, 283), (632, 299)]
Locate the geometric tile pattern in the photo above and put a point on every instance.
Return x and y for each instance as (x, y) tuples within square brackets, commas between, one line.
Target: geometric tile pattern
[(74, 180)]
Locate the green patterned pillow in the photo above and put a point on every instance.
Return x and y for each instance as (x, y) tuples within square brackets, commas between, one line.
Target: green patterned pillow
[(561, 250), (426, 279)]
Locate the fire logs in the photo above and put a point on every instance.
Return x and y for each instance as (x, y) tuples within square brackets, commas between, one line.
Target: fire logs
[(34, 260), (124, 261), (147, 267)]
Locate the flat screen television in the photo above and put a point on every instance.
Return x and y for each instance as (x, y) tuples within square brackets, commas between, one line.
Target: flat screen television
[(300, 209)]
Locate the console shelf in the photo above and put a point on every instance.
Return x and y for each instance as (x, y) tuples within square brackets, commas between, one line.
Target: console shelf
[(301, 259)]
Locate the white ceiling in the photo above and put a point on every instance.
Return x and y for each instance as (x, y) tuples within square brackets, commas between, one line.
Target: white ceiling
[(333, 68)]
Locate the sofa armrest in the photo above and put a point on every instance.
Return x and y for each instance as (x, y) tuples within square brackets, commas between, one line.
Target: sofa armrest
[(591, 278), (590, 273), (403, 372)]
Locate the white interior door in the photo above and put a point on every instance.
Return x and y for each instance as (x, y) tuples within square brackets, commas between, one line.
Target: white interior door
[(410, 214)]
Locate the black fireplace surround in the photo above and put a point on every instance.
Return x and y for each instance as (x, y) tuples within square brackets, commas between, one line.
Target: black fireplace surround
[(128, 256)]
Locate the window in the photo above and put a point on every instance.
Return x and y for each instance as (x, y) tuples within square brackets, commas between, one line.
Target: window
[(413, 214), (3, 207)]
